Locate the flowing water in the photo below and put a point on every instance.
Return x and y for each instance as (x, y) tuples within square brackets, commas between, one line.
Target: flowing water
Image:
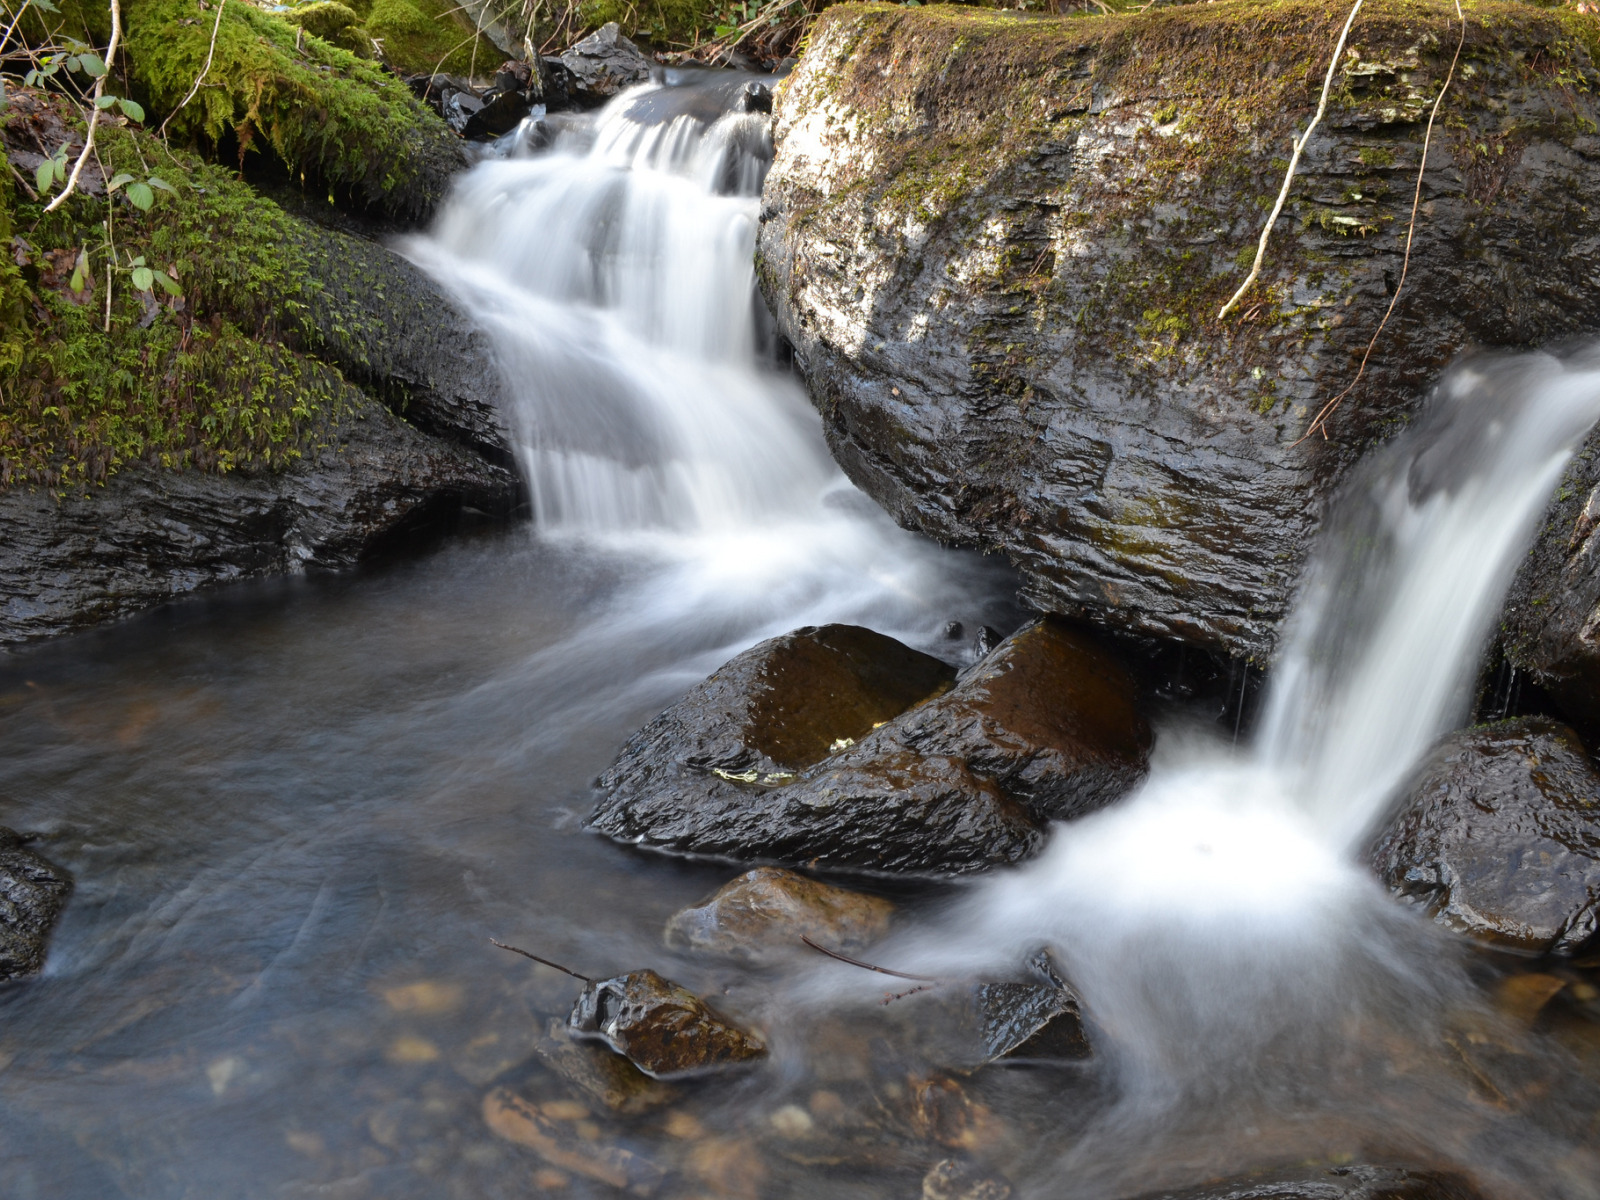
[(297, 810)]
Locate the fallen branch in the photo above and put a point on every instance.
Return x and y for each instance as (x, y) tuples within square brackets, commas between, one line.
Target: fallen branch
[(94, 109), (1299, 144), (866, 966), (210, 52), (543, 961), (1319, 423)]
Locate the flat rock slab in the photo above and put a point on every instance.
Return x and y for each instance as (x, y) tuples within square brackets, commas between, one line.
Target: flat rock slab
[(32, 893), (1501, 837), (814, 749), (661, 1028), (764, 913)]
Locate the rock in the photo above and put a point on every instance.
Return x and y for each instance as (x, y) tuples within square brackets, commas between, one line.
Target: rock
[(459, 108), (765, 912), (601, 65), (1006, 311), (1500, 836), (561, 1144), (32, 894), (1034, 1020), (1335, 1183), (1046, 727), (500, 113), (595, 1072), (952, 1179), (660, 1027), (149, 535)]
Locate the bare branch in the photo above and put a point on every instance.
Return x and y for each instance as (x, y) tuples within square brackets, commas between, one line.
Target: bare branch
[(210, 52), (866, 966), (94, 109), (1294, 162), (543, 961)]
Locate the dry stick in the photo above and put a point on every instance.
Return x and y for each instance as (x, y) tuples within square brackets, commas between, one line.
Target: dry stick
[(1319, 423), (866, 966), (94, 110), (1294, 161), (544, 961), (210, 52)]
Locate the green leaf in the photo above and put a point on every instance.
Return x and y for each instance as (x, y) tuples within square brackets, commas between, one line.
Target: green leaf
[(58, 165), (45, 175), (105, 102), (724, 30), (31, 78), (47, 5), (80, 273), (168, 284), (117, 180), (72, 63), (140, 196), (132, 110), (157, 182), (138, 262), (143, 278), (92, 65)]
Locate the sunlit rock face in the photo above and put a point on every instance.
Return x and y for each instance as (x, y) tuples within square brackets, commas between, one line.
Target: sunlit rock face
[(999, 246)]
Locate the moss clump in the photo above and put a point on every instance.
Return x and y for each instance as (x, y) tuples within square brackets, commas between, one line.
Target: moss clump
[(337, 122), (335, 23), (423, 36), (218, 378)]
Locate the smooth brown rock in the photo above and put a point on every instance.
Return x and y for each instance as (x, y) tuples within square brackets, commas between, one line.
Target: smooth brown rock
[(1500, 837), (32, 894), (952, 1179), (600, 1074), (1047, 725), (765, 912), (661, 1028)]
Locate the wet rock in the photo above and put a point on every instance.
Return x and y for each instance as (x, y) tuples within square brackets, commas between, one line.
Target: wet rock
[(792, 752), (149, 535), (764, 913), (600, 1075), (1335, 1183), (500, 113), (952, 1179), (32, 893), (1040, 1019), (558, 1140), (1500, 837), (459, 108), (601, 65), (660, 1027), (1026, 357)]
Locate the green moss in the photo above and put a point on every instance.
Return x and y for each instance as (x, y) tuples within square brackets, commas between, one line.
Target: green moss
[(423, 36), (336, 121), (218, 379), (324, 18)]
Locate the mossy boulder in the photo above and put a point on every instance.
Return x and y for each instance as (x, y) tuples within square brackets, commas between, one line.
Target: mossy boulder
[(999, 244), (424, 37), (339, 124)]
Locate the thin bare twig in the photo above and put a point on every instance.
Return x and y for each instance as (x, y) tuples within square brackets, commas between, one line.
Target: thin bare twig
[(866, 966), (1299, 144), (210, 52), (1319, 423), (94, 109), (544, 961)]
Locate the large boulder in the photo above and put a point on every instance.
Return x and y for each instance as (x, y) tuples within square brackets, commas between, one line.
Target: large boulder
[(150, 534), (32, 893), (600, 66), (1500, 837), (1046, 726), (999, 243)]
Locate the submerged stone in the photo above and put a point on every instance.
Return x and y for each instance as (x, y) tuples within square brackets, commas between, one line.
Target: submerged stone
[(661, 1028), (953, 1179), (813, 749), (1500, 837), (1335, 1183), (764, 913), (600, 1074), (557, 1139), (32, 893)]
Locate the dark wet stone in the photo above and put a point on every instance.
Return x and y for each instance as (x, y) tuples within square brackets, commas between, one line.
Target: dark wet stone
[(952, 1179), (1500, 836), (1335, 1183), (661, 1028), (1074, 403), (601, 65), (1040, 1018), (501, 113), (32, 894), (763, 762), (765, 912), (150, 535), (600, 1075)]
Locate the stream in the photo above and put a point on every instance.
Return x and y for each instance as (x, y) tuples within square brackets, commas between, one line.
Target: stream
[(298, 810)]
